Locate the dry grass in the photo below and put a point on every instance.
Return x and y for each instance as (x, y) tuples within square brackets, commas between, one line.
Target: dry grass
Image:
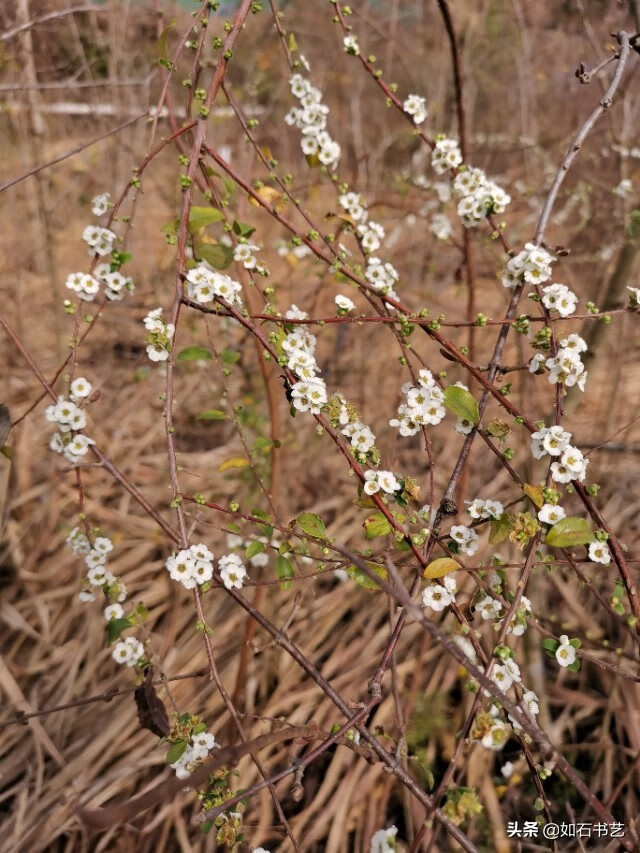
[(53, 647)]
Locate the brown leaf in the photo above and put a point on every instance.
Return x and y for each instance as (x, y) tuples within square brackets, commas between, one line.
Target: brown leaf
[(151, 711)]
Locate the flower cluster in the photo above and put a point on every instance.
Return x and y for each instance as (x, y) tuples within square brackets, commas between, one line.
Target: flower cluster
[(351, 45), (128, 651), (385, 481), (115, 283), (84, 284), (423, 405), (99, 240), (232, 572), (569, 462), (415, 106), (244, 253), (310, 393), (191, 566), (479, 508), (566, 366), (558, 297), (532, 265), (479, 197), (467, 539), (311, 119), (438, 596), (195, 754), (446, 155), (382, 276), (371, 235), (204, 285), (158, 337), (69, 419)]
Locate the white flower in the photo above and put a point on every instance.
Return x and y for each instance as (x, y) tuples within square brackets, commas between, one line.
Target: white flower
[(550, 513), (388, 482), (232, 572), (344, 303), (558, 297), (100, 204), (79, 388), (415, 106), (624, 188), (565, 653), (182, 568), (122, 653), (351, 45), (441, 227), (502, 676), (496, 737), (244, 253), (436, 597), (635, 295), (294, 313), (507, 770), (489, 607), (599, 553), (86, 595), (204, 740), (446, 155), (113, 611), (384, 840)]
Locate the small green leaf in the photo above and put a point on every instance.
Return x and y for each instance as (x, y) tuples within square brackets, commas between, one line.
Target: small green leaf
[(171, 227), (176, 751), (212, 415), (200, 217), (363, 579), (163, 41), (568, 532), (115, 627), (376, 525), (229, 356), (234, 462), (550, 644), (242, 229), (575, 666), (440, 567), (534, 493), (233, 527), (194, 354), (293, 45), (254, 548), (312, 525), (216, 254), (576, 643), (284, 570), (500, 528), (229, 185), (461, 403), (266, 529)]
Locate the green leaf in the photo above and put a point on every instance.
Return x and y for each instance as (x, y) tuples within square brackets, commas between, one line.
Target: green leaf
[(312, 525), (234, 462), (534, 493), (575, 666), (176, 751), (194, 354), (461, 403), (254, 548), (229, 356), (217, 255), (376, 525), (163, 41), (550, 644), (171, 227), (363, 580), (293, 45), (229, 185), (242, 229), (576, 643), (266, 529), (568, 532), (284, 570), (500, 528), (233, 527), (115, 627), (212, 415), (200, 217), (440, 567)]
